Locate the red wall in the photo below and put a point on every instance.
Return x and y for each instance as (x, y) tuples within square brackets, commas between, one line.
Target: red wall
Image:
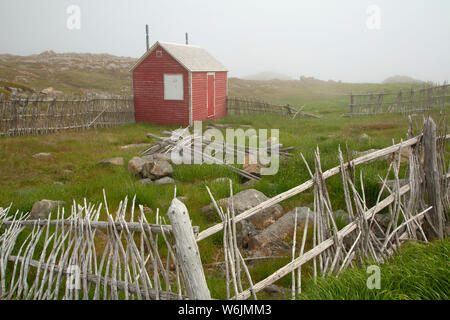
[(148, 90), (199, 95)]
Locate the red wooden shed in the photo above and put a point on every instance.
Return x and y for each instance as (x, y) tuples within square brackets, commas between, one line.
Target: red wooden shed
[(177, 84)]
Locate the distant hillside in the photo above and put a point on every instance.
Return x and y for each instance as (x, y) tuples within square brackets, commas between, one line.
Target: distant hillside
[(401, 79), (267, 76), (69, 73)]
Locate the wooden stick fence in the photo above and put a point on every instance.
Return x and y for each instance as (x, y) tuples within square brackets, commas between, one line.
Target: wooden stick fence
[(40, 116), (329, 252), (59, 258), (132, 266), (403, 101), (245, 106)]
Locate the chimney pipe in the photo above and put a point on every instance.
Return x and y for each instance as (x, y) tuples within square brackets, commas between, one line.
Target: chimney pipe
[(187, 38), (147, 39)]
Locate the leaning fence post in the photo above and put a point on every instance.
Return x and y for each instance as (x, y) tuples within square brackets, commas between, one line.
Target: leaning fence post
[(187, 251), (432, 179)]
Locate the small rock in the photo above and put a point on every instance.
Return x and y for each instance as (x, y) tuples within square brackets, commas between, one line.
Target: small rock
[(146, 181), (42, 155), (147, 210), (165, 180), (156, 169), (272, 289), (67, 172), (135, 165), (49, 91), (112, 161), (363, 137), (253, 168), (58, 183), (43, 208)]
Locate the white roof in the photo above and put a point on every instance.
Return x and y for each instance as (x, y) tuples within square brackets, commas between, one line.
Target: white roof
[(193, 58)]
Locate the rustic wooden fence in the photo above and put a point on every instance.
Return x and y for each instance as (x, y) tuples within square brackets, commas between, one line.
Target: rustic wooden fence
[(415, 210), (403, 101), (40, 116), (59, 257), (135, 265), (246, 106)]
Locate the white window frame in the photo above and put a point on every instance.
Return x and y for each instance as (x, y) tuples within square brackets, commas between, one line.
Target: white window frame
[(179, 96)]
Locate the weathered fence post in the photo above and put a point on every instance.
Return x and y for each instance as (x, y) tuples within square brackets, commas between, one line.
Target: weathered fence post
[(432, 179), (352, 102), (187, 252)]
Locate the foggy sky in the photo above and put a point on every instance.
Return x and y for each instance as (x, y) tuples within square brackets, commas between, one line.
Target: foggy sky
[(326, 39)]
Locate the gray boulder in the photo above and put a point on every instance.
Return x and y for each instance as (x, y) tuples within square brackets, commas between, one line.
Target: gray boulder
[(156, 169), (271, 239), (135, 165), (243, 201), (43, 208), (165, 180)]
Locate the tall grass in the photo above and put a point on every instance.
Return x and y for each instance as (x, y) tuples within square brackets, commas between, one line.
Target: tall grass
[(417, 272)]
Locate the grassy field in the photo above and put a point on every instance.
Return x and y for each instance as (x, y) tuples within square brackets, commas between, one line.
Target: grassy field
[(25, 180), (417, 272)]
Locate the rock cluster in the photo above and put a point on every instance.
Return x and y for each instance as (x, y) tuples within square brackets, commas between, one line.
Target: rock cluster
[(155, 168), (266, 232)]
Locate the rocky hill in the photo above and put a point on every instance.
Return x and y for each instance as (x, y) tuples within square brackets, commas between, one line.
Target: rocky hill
[(69, 73), (401, 79)]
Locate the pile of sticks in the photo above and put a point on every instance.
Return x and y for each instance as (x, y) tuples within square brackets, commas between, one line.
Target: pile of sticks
[(181, 140)]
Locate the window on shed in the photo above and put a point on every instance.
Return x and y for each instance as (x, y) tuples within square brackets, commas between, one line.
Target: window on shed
[(173, 87)]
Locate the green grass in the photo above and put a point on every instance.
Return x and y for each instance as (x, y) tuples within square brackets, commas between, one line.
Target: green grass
[(25, 180), (417, 272)]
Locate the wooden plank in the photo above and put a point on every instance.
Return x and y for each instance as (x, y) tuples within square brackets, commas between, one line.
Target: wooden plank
[(432, 179), (187, 252)]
